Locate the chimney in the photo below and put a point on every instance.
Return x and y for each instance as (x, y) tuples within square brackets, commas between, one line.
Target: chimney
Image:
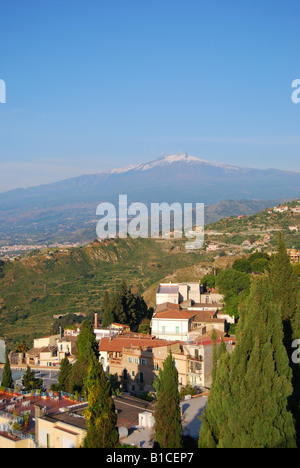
[(96, 321), (39, 412)]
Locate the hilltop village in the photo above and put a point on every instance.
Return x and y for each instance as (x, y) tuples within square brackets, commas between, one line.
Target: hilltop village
[(194, 322), (185, 317)]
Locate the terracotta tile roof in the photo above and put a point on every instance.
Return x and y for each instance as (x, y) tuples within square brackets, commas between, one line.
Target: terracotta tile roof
[(175, 314), (120, 342), (205, 339), (207, 316), (166, 306)]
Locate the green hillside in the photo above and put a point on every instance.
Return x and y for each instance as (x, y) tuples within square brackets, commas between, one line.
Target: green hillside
[(37, 286), (42, 284)]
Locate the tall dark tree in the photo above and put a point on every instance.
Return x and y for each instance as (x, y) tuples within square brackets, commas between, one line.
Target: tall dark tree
[(285, 289), (105, 300), (64, 374), (87, 349), (30, 382), (216, 414), (7, 380), (101, 417), (168, 426), (108, 317), (125, 307), (248, 404), (284, 282)]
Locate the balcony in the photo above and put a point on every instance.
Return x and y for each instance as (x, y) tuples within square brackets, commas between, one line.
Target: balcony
[(115, 361), (195, 358)]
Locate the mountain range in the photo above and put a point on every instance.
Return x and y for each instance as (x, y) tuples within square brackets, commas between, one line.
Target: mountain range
[(70, 205)]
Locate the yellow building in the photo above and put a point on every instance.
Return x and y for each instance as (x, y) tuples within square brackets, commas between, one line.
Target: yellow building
[(10, 438), (64, 429)]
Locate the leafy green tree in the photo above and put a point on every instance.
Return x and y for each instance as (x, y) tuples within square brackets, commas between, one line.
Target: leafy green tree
[(2, 265), (126, 308), (101, 418), (168, 427), (243, 265), (208, 281), (234, 285), (259, 265), (7, 380)]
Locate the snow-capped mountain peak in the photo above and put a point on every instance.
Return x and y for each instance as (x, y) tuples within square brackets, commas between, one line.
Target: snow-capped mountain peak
[(168, 160)]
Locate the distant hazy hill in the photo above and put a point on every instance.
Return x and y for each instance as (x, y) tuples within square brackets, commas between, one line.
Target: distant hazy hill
[(38, 212)]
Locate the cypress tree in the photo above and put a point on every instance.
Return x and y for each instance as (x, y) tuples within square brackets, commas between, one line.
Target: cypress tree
[(87, 349), (248, 404), (101, 418), (295, 366), (125, 308), (108, 317), (105, 300), (30, 382), (215, 417), (260, 377), (64, 374), (168, 427), (283, 281), (7, 380), (285, 289)]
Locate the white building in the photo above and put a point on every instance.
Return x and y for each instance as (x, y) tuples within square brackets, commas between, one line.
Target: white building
[(187, 294), (172, 324), (178, 292)]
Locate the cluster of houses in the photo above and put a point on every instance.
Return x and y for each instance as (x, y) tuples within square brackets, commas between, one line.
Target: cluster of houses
[(284, 209), (184, 317)]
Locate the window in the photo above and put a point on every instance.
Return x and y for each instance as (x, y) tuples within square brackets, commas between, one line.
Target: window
[(130, 359), (163, 330), (177, 330), (136, 360), (156, 367), (132, 373), (44, 437), (144, 362), (67, 442), (141, 377), (141, 388)]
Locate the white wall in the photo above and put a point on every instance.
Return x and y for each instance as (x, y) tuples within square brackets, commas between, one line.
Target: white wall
[(170, 329)]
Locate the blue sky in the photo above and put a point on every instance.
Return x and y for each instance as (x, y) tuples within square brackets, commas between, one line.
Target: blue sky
[(94, 84)]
